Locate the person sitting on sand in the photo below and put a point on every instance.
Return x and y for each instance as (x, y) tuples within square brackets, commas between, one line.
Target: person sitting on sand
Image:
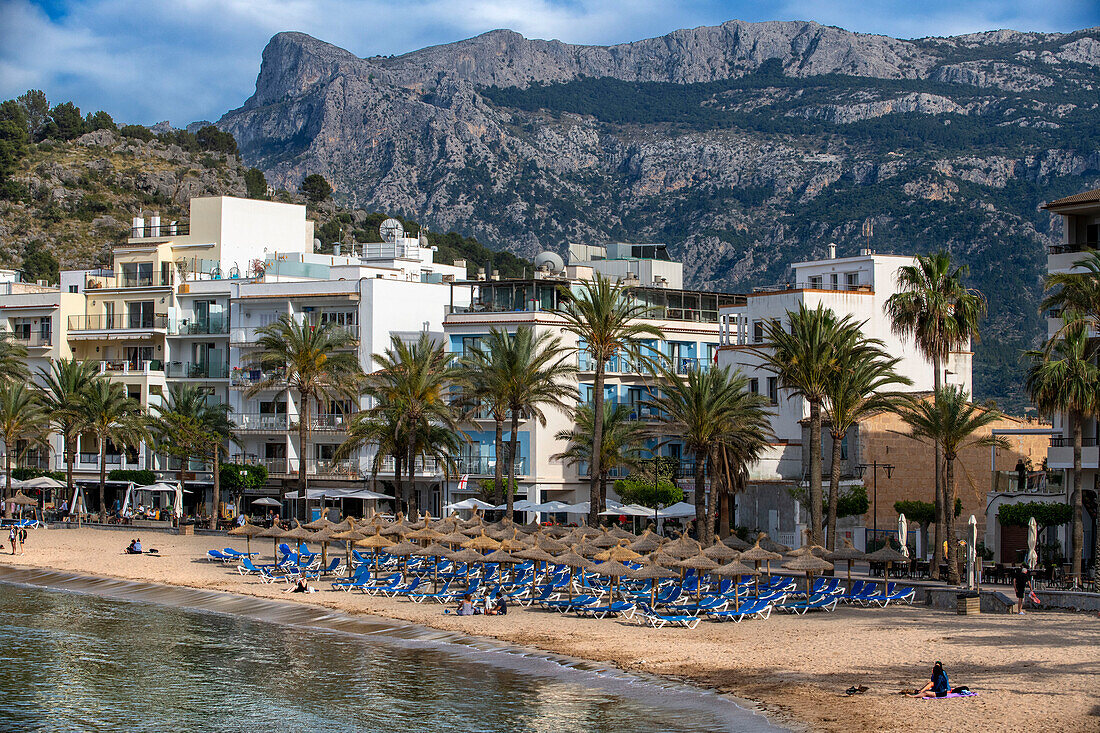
[(134, 548), (466, 606), (938, 686), (300, 586), (500, 608)]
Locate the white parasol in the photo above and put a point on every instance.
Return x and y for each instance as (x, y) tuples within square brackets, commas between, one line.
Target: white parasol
[(1032, 541), (903, 527), (972, 553)]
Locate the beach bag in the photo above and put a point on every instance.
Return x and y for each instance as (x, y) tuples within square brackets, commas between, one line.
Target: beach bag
[(1033, 598)]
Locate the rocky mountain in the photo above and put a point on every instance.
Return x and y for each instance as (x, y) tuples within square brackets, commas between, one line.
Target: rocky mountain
[(744, 146)]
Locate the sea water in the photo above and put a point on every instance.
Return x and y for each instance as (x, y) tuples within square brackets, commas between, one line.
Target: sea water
[(115, 656)]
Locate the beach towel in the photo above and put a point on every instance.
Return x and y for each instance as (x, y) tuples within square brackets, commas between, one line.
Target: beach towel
[(950, 695)]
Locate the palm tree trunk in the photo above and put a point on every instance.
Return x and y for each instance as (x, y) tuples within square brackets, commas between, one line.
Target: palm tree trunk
[(7, 487), (513, 452), (702, 516), (70, 459), (414, 500), (834, 492), (937, 551), (103, 479), (498, 466), (949, 524), (303, 440), (1078, 537), (398, 487), (597, 442), (217, 489), (815, 473)]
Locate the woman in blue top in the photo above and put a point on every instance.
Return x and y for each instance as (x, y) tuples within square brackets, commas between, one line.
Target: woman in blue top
[(938, 686)]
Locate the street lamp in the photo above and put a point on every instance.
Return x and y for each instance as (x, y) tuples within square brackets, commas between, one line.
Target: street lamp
[(875, 466)]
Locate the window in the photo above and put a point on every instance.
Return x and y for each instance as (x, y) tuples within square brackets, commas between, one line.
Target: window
[(851, 280), (815, 281), (773, 390), (470, 344), (339, 318), (74, 288), (45, 330), (141, 314), (757, 331), (137, 274), (754, 386), (155, 390), (834, 281), (22, 330)]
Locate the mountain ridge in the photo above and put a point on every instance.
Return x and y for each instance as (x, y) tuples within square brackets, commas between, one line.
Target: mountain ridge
[(745, 146)]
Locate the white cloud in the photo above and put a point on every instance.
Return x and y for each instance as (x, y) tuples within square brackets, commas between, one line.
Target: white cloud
[(189, 59)]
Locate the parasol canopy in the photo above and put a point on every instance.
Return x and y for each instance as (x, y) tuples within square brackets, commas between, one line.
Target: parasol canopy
[(266, 501)]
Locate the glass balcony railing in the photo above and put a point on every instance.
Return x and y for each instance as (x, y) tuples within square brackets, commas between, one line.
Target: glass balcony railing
[(204, 327), (260, 421), (199, 370), (130, 366), (244, 377), (169, 229), (120, 322), (486, 466)]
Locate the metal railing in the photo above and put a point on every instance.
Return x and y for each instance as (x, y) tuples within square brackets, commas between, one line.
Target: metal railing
[(126, 366), (241, 377), (584, 470), (122, 280), (171, 229), (1062, 441), (35, 340), (261, 421), (205, 327), (347, 469), (815, 285), (486, 466), (119, 322), (330, 421), (192, 370), (1071, 247), (422, 465)]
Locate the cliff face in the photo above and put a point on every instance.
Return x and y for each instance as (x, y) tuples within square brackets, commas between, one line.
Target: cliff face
[(744, 146)]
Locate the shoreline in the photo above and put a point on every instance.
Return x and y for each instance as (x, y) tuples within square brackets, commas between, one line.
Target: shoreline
[(482, 649), (792, 670)]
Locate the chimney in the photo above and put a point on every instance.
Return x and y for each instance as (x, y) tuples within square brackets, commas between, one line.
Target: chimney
[(832, 250), (335, 250)]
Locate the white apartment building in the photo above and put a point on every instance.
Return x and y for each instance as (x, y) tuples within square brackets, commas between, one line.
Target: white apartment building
[(182, 302), (689, 319), (1080, 235), (851, 286)]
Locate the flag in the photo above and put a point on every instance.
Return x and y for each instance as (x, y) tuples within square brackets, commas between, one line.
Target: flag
[(462, 482)]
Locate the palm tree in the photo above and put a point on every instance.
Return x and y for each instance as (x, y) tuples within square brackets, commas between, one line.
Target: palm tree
[(941, 314), (61, 392), (306, 358), (607, 322), (537, 379), (484, 373), (621, 447), (410, 395), (111, 416), (21, 418), (1077, 291), (859, 386), (705, 411), (13, 359), (187, 426), (740, 447), (953, 422), (805, 359), (1063, 376)]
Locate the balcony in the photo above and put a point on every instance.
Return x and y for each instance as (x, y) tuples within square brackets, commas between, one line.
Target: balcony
[(115, 281), (205, 327), (686, 365), (35, 340), (815, 285), (129, 366), (158, 231), (192, 370), (260, 422), (485, 466), (1065, 441), (288, 468), (245, 378), (335, 422), (1072, 247), (120, 322), (585, 471), (421, 467)]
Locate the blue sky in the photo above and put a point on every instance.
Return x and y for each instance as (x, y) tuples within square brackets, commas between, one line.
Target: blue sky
[(185, 60)]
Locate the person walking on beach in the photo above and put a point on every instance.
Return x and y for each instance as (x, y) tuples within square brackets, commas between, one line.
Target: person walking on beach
[(13, 537), (22, 540), (1022, 582)]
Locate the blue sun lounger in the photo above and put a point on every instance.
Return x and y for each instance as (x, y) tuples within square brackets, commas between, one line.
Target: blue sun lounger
[(756, 607), (442, 595), (814, 603), (883, 597), (659, 620), (219, 556), (565, 605), (612, 609), (705, 605)]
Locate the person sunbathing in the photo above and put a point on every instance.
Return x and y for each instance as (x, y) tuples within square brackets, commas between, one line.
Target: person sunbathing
[(938, 686), (134, 547)]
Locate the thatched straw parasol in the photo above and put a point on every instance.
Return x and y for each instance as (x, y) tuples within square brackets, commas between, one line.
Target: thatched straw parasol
[(572, 559), (501, 556), (513, 542), (375, 542), (619, 553), (248, 531), (622, 534), (848, 553), (538, 555), (425, 534), (454, 539), (701, 564), (324, 536), (888, 555), (481, 543), (612, 569), (757, 554), (402, 550), (467, 557), (810, 564), (735, 570), (551, 545), (653, 571), (721, 553), (604, 541), (771, 545), (21, 499), (319, 523), (736, 542), (646, 542), (557, 531), (347, 536), (437, 551), (274, 532)]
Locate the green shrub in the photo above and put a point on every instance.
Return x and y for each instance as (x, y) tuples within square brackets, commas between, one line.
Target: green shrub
[(138, 132), (140, 477)]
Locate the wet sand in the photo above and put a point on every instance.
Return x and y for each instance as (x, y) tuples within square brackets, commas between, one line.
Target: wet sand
[(1040, 671)]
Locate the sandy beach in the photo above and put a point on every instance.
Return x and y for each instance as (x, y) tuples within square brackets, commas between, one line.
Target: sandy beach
[(1040, 671)]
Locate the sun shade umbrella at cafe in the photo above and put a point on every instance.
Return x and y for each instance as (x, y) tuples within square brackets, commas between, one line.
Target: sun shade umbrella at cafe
[(809, 564)]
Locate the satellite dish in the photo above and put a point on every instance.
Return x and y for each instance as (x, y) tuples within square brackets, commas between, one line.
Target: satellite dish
[(391, 230), (549, 261)]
